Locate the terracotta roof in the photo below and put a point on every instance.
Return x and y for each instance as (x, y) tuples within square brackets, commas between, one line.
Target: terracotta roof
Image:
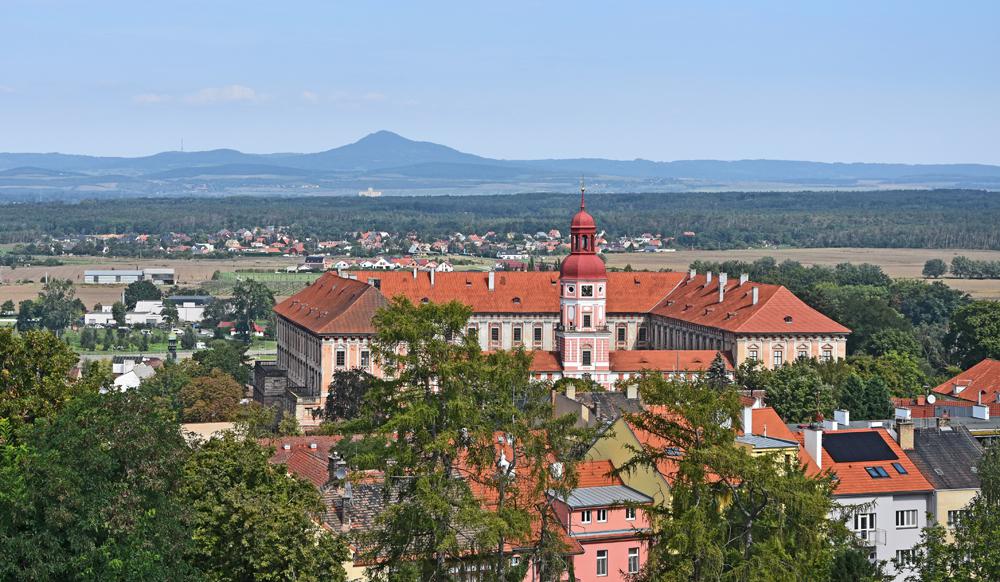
[(542, 361), (853, 478), (596, 474), (777, 310), (521, 292), (664, 360), (984, 376), (300, 458), (333, 304)]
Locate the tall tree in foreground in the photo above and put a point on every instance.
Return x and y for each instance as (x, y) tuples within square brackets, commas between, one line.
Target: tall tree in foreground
[(251, 521), (731, 516), (252, 300)]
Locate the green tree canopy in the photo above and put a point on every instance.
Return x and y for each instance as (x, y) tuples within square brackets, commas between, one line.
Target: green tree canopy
[(975, 332), (935, 268), (141, 291), (252, 300), (225, 355)]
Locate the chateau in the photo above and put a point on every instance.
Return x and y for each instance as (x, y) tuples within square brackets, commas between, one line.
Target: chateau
[(582, 322)]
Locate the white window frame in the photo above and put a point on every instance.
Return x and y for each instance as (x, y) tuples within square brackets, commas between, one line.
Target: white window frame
[(585, 516), (340, 358), (777, 358), (752, 355), (633, 560), (602, 516), (955, 516), (906, 519), (827, 355), (602, 563), (629, 514)]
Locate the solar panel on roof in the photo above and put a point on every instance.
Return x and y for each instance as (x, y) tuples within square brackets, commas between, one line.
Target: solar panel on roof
[(853, 447)]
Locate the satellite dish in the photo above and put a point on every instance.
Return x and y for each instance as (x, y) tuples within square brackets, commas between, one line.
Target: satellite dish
[(931, 399)]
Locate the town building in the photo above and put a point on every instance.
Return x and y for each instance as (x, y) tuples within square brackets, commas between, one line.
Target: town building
[(884, 495), (948, 456), (158, 275), (581, 322)]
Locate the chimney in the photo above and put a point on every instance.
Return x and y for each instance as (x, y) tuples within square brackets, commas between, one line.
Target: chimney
[(492, 280), (744, 277), (571, 391), (632, 391), (814, 443), (340, 272), (708, 278), (723, 279), (432, 277), (843, 417), (747, 420), (755, 295), (692, 273), (830, 424), (903, 413), (904, 434)]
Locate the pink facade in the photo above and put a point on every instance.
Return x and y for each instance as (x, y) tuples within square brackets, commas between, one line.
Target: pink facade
[(612, 546)]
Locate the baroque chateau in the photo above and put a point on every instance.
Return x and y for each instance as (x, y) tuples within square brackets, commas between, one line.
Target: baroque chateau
[(582, 322)]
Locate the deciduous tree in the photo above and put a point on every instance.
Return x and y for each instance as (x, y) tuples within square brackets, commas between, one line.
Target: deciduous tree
[(211, 398)]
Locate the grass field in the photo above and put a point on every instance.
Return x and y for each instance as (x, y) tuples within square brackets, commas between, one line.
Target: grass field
[(895, 262)]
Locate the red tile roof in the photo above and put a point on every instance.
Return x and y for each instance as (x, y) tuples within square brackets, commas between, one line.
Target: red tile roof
[(777, 309), (596, 474), (333, 304), (984, 376), (542, 361), (853, 479), (311, 464), (664, 360)]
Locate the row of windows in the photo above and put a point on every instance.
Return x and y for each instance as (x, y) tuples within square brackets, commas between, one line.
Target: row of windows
[(602, 515), (536, 333), (778, 356), (905, 519), (366, 359), (633, 562)]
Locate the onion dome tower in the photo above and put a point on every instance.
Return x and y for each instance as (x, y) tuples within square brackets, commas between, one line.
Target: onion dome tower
[(583, 336)]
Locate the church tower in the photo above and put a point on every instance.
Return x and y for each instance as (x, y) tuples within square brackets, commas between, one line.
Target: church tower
[(583, 336)]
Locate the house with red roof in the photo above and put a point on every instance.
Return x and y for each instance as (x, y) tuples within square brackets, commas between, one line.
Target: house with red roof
[(885, 496), (979, 384)]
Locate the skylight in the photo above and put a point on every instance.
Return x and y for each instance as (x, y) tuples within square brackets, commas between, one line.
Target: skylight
[(900, 469), (877, 472)]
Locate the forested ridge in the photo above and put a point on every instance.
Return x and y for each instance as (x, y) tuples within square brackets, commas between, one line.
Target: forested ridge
[(902, 219)]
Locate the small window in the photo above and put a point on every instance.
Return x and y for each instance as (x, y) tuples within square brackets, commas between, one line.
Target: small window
[(586, 320), (779, 358), (864, 521), (882, 472), (904, 558), (633, 560), (642, 333), (752, 355), (538, 334), (341, 358), (585, 516), (515, 561), (517, 334), (802, 355), (621, 333), (827, 355), (366, 359), (629, 514), (586, 290), (602, 562), (900, 469), (585, 358), (955, 516), (494, 334), (906, 518), (602, 516)]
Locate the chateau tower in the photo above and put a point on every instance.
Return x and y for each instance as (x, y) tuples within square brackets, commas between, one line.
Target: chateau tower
[(583, 338)]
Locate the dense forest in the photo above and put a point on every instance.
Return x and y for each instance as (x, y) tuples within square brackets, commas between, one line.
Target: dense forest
[(913, 218)]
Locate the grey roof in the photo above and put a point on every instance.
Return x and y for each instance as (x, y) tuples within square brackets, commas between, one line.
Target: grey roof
[(603, 496), (191, 298), (764, 442), (100, 272), (609, 405), (947, 456)]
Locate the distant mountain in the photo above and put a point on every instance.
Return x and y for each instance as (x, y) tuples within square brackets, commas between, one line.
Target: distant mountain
[(399, 165)]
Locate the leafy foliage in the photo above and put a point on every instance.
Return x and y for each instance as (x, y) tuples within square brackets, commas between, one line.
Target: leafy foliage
[(141, 291)]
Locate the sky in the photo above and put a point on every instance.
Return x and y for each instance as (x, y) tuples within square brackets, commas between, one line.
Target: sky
[(841, 80)]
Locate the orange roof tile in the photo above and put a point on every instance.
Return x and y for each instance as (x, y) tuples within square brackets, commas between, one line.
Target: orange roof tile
[(983, 377), (664, 360), (333, 304), (596, 474), (777, 310), (853, 479), (543, 361)]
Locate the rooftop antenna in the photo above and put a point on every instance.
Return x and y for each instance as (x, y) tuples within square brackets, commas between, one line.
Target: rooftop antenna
[(583, 189)]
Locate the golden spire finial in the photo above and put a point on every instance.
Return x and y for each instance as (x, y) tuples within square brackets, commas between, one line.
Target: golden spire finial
[(583, 189)]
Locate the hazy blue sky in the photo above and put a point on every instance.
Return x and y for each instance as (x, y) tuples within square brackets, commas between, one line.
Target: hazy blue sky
[(832, 81)]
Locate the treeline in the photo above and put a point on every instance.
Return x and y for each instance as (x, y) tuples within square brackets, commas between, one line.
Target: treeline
[(903, 219), (966, 268)]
